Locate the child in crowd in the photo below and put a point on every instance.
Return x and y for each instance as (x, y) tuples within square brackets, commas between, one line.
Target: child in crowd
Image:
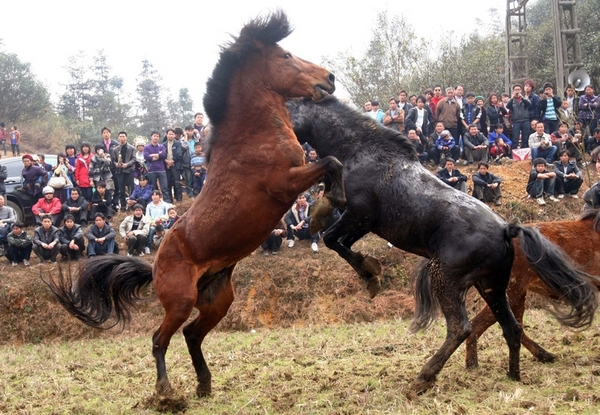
[(198, 166)]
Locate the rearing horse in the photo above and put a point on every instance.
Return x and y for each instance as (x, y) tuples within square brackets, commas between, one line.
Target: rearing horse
[(256, 171)]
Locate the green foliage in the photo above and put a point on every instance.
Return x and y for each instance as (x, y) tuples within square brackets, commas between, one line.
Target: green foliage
[(152, 114), (22, 96)]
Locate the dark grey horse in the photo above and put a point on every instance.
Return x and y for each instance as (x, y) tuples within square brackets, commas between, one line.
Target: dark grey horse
[(390, 194)]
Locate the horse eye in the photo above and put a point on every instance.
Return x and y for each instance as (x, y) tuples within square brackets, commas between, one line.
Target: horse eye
[(287, 55)]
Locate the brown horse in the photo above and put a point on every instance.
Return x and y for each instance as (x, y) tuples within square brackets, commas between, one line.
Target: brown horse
[(256, 171), (580, 239)]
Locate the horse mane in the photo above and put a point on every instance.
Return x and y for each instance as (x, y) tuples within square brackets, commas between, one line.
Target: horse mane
[(357, 124), (266, 30), (592, 213)]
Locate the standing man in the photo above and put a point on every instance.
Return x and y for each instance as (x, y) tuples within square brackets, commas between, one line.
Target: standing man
[(394, 117), (198, 126), (15, 140), (123, 157), (435, 99), (588, 111), (3, 136), (534, 108), (107, 142), (571, 99), (173, 162), (519, 110), (155, 155), (402, 103), (377, 113), (549, 108), (448, 113)]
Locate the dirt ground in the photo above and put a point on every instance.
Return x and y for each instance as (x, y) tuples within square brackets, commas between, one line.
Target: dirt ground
[(295, 288)]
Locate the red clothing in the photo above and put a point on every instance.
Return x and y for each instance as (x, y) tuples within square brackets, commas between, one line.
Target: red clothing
[(433, 105), (497, 151), (54, 207), (82, 166)]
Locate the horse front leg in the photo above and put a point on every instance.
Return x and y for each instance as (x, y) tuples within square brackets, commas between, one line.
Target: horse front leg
[(303, 177), (213, 303), (341, 236)]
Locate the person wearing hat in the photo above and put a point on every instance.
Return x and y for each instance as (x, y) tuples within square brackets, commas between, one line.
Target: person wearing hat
[(32, 176), (140, 168), (445, 147), (452, 177), (47, 207), (549, 109)]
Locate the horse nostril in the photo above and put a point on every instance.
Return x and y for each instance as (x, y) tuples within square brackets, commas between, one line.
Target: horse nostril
[(332, 78)]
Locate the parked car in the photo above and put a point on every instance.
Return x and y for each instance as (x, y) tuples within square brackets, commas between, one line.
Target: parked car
[(16, 197)]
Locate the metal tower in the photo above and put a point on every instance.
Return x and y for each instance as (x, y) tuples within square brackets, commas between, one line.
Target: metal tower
[(567, 46), (517, 65)]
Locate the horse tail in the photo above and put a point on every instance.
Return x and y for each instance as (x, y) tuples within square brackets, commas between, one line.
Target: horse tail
[(571, 285), (106, 288), (427, 306)]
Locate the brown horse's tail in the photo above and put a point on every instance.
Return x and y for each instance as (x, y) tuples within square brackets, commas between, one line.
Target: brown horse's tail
[(571, 285), (107, 286)]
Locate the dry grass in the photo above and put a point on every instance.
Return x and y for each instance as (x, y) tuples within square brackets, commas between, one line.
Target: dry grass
[(338, 369)]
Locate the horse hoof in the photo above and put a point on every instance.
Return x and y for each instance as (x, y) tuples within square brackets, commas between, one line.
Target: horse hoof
[(470, 365), (203, 390), (545, 357), (163, 388), (420, 386), (514, 376), (371, 265), (374, 286)]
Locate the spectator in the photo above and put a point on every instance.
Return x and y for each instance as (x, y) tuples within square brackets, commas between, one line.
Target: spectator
[(519, 106), (100, 167), (541, 144), (198, 165), (76, 206), (140, 161), (566, 114), (45, 241), (483, 126), (475, 143), (420, 119), (495, 112), (107, 143), (549, 108), (102, 201), (70, 236), (402, 103), (134, 230), (564, 141), (47, 207), (273, 242), (394, 117), (486, 186), (298, 220), (568, 176), (19, 245), (534, 109), (61, 177), (588, 110), (123, 157), (435, 99), (33, 176), (173, 167), (458, 95), (155, 154), (3, 177), (15, 141), (419, 145), (448, 113), (161, 227), (82, 172), (312, 156), (157, 212), (187, 149), (101, 237), (7, 218), (376, 112), (71, 154), (452, 177), (3, 135), (541, 182), (198, 125), (499, 133), (445, 147), (593, 142), (470, 112), (591, 197), (142, 194)]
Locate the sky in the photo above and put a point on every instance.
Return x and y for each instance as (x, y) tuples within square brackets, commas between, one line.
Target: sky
[(182, 38)]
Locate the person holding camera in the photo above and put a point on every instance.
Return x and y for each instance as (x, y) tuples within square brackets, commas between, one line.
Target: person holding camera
[(518, 106)]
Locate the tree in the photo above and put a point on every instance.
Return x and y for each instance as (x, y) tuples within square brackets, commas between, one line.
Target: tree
[(77, 101), (22, 96), (151, 111), (181, 112)]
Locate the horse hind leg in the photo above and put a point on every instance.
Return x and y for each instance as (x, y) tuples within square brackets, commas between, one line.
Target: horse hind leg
[(178, 303), (493, 290), (451, 298), (213, 303)]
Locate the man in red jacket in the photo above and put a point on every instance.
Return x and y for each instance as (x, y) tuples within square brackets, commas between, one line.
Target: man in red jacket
[(48, 206)]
